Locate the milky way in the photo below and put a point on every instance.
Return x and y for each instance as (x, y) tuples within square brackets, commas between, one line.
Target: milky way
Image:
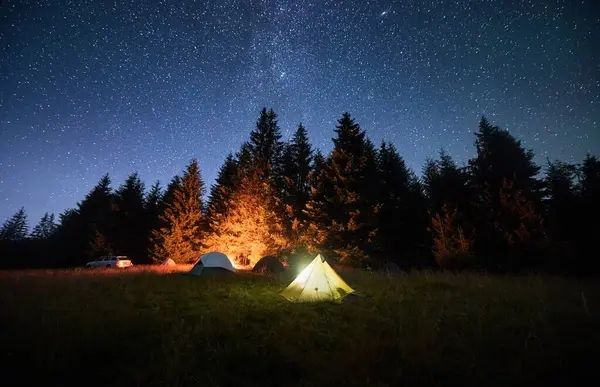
[(88, 89)]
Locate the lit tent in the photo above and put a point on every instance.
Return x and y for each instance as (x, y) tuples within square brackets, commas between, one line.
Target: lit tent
[(212, 261), (317, 282)]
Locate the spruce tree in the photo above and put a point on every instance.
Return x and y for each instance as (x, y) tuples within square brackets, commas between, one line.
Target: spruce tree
[(152, 207), (501, 157), (265, 145), (401, 208), (179, 237), (344, 211), (302, 155), (588, 226), (79, 227), (445, 183), (503, 175), (130, 220), (45, 229), (15, 228), (293, 185), (248, 226), (226, 183), (316, 222), (561, 200)]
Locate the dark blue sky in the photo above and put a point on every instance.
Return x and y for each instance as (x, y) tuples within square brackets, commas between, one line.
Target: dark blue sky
[(90, 87)]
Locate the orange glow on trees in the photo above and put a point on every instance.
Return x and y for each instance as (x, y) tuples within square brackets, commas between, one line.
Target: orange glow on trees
[(249, 228)]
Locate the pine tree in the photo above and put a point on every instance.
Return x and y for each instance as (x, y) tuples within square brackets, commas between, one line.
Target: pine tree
[(293, 185), (15, 228), (152, 205), (265, 144), (314, 227), (97, 216), (99, 245), (302, 155), (130, 220), (501, 157), (445, 183), (561, 200), (343, 209), (248, 228), (45, 229), (452, 247), (180, 236), (226, 183), (502, 171), (520, 225), (588, 226), (590, 180), (402, 208)]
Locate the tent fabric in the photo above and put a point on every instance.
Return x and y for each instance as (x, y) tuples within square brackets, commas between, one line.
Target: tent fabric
[(268, 264), (169, 262), (214, 260), (317, 282)]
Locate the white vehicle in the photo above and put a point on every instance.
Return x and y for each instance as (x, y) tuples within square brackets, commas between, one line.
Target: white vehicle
[(117, 261)]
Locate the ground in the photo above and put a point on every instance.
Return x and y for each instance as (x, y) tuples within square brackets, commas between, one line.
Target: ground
[(146, 327)]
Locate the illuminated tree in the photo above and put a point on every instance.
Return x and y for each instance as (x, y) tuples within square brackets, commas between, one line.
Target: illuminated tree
[(451, 245), (249, 228), (220, 193), (179, 237)]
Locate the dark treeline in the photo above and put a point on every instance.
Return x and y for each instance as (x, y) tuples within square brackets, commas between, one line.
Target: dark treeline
[(360, 205)]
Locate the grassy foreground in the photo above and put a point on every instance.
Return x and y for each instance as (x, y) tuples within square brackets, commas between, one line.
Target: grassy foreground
[(150, 328)]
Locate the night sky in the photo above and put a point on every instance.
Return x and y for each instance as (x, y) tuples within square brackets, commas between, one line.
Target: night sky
[(90, 87)]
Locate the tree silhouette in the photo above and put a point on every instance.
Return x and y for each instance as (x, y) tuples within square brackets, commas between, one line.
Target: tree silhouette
[(508, 199), (45, 229), (402, 208), (265, 144), (131, 223), (344, 211), (15, 228), (293, 184)]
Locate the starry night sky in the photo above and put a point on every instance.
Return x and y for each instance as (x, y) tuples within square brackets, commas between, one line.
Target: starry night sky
[(90, 87)]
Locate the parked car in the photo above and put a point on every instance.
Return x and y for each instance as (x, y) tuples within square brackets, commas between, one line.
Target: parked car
[(116, 261)]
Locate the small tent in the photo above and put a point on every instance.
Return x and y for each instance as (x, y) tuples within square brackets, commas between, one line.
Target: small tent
[(212, 261), (317, 282), (168, 262), (268, 265)]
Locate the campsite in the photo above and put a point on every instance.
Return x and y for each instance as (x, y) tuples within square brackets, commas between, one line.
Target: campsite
[(299, 193), (163, 327)]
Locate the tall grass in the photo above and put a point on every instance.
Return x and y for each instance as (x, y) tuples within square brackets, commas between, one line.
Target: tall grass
[(149, 328)]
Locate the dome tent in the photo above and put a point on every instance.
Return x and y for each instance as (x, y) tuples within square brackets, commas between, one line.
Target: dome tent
[(267, 265), (213, 261), (317, 282), (168, 262)]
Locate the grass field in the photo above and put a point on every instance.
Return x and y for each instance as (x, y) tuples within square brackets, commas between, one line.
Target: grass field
[(158, 328)]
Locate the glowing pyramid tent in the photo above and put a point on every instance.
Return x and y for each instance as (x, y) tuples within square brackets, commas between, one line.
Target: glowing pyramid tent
[(317, 282)]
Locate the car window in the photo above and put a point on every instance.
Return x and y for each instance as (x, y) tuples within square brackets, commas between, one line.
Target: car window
[(113, 258)]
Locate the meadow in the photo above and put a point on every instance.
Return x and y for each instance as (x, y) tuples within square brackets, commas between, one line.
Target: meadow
[(153, 327)]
